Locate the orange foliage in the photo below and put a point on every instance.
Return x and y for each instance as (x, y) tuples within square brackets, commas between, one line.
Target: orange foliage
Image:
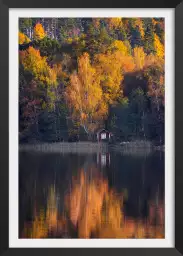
[(84, 94), (128, 64), (39, 32)]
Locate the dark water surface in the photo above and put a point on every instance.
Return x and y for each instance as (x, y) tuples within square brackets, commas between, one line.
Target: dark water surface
[(56, 191)]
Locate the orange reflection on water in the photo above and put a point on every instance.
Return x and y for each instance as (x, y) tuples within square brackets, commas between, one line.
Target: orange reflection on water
[(92, 210)]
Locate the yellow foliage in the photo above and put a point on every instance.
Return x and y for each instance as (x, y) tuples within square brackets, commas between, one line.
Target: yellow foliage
[(76, 38), (69, 40), (39, 32), (23, 39), (120, 46), (114, 23), (110, 68), (154, 22), (139, 57), (38, 66), (159, 47)]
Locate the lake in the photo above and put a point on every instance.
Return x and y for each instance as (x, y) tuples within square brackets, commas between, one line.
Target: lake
[(94, 195)]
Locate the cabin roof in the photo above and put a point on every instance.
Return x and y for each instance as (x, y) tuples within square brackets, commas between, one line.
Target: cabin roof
[(102, 130)]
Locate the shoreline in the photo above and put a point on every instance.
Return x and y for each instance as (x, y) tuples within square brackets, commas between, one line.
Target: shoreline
[(92, 147)]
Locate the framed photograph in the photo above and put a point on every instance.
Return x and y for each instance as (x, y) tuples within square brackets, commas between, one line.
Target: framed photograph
[(90, 99)]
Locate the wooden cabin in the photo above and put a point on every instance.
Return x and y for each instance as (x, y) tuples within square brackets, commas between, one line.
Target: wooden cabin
[(103, 135)]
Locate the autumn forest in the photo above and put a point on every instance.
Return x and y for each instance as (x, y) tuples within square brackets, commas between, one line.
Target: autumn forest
[(77, 75), (91, 128)]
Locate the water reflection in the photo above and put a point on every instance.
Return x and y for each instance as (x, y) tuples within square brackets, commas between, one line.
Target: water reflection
[(85, 202), (103, 159)]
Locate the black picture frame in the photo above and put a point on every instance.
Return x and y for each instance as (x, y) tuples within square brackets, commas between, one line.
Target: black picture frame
[(4, 125)]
